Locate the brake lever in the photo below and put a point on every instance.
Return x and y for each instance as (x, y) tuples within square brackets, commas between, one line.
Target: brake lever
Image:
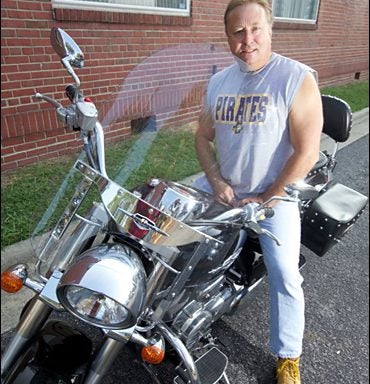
[(254, 227), (261, 231), (271, 236)]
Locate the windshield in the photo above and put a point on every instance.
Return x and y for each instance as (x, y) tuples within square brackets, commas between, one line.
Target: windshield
[(148, 131), (164, 92)]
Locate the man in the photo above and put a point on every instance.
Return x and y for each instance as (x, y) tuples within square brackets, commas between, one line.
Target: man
[(259, 131)]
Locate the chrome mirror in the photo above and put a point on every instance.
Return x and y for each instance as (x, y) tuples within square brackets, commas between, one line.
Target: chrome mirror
[(66, 47)]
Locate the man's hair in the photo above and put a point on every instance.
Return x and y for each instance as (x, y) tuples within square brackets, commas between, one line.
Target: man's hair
[(265, 4)]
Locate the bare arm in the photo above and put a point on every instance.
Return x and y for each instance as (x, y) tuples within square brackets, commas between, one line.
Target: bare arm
[(206, 155), (305, 126)]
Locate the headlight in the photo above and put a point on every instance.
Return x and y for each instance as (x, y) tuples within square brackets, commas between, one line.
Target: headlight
[(95, 306), (106, 287)]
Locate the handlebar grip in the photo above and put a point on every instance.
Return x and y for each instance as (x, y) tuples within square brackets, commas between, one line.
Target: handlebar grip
[(269, 212), (71, 92)]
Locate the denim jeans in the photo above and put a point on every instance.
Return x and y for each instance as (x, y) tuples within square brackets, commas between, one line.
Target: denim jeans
[(285, 281)]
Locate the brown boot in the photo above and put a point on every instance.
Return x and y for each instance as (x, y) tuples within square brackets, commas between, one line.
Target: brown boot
[(287, 371)]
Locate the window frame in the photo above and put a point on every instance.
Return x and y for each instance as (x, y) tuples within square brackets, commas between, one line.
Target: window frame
[(103, 6), (296, 21)]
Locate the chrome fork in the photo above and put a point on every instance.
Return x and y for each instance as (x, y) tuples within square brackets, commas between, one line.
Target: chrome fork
[(29, 325)]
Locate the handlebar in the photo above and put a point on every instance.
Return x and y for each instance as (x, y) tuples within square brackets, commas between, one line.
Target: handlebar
[(257, 212), (65, 115), (268, 212), (247, 217), (82, 116), (53, 102)]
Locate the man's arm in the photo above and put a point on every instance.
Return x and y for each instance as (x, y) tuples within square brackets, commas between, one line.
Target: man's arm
[(305, 126), (206, 155)]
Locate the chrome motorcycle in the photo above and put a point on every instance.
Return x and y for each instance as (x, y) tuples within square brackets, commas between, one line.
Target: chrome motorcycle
[(152, 267)]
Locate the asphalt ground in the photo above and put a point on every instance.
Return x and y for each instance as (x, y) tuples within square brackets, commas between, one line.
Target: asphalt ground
[(336, 290)]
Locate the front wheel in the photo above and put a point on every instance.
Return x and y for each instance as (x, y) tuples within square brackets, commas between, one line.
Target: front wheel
[(58, 354)]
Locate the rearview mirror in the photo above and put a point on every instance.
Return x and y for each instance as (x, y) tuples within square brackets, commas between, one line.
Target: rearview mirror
[(66, 48)]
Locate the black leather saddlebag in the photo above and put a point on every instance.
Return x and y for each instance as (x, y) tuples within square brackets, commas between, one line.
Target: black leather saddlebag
[(330, 216)]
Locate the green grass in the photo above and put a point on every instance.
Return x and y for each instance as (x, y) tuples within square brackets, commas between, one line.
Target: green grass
[(23, 192), (26, 192), (356, 95)]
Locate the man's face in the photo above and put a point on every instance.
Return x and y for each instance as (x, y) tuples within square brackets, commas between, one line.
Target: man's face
[(249, 35)]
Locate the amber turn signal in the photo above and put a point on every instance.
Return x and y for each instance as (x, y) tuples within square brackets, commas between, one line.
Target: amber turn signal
[(152, 354), (10, 282), (13, 278)]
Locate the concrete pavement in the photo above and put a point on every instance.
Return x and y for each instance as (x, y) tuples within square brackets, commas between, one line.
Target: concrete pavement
[(11, 304)]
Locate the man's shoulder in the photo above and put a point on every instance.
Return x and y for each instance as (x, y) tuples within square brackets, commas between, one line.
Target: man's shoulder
[(225, 74), (285, 61), (229, 70)]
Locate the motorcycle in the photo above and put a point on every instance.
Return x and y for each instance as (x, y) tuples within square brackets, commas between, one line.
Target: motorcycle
[(151, 267)]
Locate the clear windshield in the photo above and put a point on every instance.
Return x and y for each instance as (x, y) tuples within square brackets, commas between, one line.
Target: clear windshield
[(162, 97)]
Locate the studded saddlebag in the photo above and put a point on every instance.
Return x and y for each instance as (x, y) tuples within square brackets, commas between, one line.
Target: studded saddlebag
[(330, 216)]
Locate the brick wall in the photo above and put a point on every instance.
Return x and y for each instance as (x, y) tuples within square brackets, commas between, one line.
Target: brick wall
[(144, 65)]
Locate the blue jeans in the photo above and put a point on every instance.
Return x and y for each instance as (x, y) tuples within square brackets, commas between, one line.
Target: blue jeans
[(285, 280)]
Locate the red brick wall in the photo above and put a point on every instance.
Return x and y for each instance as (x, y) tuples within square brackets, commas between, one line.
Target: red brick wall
[(116, 43)]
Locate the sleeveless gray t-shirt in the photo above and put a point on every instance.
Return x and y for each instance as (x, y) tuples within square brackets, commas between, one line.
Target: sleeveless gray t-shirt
[(250, 116)]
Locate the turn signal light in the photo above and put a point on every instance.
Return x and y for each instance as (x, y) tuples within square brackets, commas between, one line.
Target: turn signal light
[(10, 282), (152, 354), (13, 278)]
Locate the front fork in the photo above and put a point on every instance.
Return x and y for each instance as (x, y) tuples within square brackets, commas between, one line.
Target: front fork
[(30, 324), (34, 318), (103, 360), (111, 347)]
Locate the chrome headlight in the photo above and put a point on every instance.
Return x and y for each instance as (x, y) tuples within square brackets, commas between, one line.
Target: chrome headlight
[(105, 287)]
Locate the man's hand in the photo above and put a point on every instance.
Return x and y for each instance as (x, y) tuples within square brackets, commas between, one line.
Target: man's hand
[(251, 199), (223, 193)]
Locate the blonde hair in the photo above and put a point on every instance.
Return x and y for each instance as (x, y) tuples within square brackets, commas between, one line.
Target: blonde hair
[(265, 4)]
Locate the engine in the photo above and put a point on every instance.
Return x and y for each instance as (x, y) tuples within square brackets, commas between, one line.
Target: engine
[(195, 319)]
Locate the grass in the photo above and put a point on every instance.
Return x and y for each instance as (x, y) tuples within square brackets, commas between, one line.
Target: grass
[(356, 95), (26, 192)]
